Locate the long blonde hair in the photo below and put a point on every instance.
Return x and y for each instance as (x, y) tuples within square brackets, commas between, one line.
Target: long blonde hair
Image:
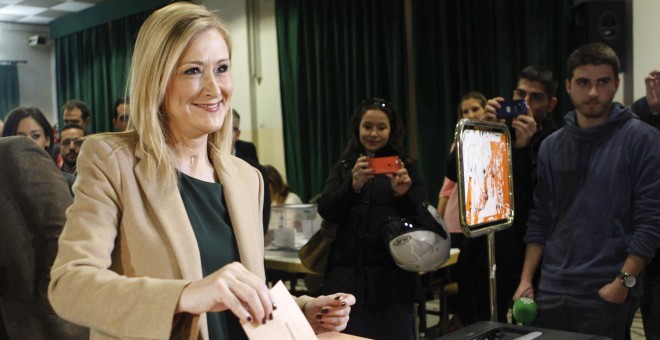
[(161, 42)]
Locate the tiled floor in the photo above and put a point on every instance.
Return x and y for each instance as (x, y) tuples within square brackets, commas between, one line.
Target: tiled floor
[(636, 331)]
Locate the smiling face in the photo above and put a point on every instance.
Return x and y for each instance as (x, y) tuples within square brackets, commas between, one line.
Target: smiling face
[(199, 95), (374, 130), (30, 128), (592, 91)]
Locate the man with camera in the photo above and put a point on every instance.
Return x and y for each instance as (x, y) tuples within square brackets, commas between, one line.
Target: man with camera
[(529, 124)]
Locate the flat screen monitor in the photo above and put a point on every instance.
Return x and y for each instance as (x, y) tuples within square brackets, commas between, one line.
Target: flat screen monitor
[(485, 185)]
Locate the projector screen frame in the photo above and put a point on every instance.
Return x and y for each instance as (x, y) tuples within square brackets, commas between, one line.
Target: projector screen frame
[(468, 134)]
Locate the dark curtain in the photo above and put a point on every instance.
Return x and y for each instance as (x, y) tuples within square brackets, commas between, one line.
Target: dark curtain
[(465, 45), (9, 92), (332, 54), (92, 66)]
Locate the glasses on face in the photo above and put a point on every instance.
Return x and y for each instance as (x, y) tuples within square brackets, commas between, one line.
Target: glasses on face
[(76, 142)]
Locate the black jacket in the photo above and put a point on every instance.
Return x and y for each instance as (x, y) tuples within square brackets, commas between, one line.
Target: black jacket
[(246, 150), (359, 262)]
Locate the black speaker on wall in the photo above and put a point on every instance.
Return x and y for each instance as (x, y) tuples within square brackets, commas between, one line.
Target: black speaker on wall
[(601, 21)]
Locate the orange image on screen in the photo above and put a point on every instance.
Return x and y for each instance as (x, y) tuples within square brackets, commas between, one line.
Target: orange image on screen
[(486, 174)]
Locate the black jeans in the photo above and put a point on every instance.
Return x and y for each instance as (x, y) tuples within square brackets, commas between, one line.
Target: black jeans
[(587, 314)]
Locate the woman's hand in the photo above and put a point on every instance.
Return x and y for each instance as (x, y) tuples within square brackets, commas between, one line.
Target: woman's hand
[(361, 173), (329, 313), (401, 181), (232, 287)]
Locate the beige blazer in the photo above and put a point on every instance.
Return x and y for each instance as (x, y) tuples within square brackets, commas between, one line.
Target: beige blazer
[(128, 249)]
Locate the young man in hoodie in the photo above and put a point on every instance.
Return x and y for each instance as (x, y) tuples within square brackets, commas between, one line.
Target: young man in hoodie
[(595, 221)]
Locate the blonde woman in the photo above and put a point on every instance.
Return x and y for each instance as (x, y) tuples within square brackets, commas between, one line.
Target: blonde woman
[(160, 241)]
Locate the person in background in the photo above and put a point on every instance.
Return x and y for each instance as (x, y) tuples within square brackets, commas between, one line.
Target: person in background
[(595, 218), (472, 267), (71, 139), (361, 202), (648, 107), (243, 149), (236, 133), (76, 112), (537, 85), (34, 198), (279, 190), (648, 110), (160, 240), (29, 121), (121, 114), (279, 195), (471, 107)]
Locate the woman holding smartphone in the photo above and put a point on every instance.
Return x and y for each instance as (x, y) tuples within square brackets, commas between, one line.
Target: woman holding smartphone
[(361, 202)]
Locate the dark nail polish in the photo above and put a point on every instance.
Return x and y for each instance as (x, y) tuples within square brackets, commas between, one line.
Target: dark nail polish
[(270, 317), (274, 307), (249, 318), (337, 297), (321, 322), (319, 316), (343, 304), (325, 310), (263, 321)]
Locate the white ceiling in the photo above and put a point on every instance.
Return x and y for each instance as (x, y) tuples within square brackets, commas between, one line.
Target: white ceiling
[(40, 12)]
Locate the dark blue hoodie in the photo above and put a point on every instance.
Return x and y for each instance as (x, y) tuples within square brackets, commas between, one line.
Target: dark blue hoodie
[(597, 201)]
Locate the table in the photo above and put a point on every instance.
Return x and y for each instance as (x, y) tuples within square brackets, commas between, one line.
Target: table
[(288, 261), (453, 258), (285, 265), (496, 330), (420, 309)]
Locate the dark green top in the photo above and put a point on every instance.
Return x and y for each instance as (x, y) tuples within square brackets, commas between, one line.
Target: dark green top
[(210, 221)]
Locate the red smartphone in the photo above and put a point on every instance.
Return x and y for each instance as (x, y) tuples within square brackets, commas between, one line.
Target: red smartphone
[(384, 165)]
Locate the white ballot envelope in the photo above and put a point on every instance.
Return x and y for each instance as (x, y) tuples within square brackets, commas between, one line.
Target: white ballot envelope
[(288, 322)]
